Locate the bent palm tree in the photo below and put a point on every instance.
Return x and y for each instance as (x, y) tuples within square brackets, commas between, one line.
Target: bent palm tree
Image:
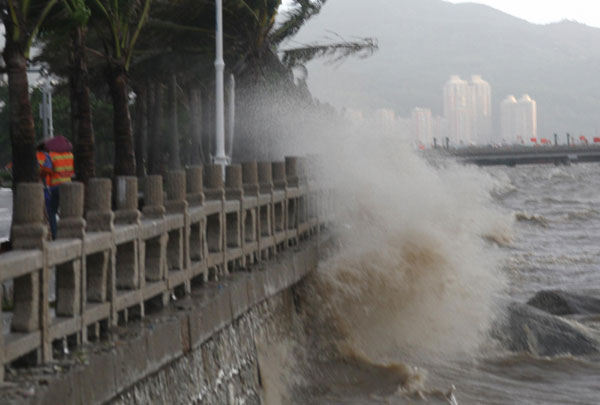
[(22, 21)]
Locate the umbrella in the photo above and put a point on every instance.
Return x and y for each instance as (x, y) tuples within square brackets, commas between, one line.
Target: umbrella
[(58, 144)]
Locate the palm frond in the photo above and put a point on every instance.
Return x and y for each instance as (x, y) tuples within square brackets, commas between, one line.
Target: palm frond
[(300, 14), (335, 52)]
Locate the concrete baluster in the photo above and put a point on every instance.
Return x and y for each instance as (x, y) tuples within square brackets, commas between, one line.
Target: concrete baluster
[(99, 216), (154, 250), (234, 191), (279, 176), (153, 197), (127, 213), (176, 203), (126, 192), (28, 232), (176, 191), (195, 197), (194, 183), (251, 188), (233, 182), (291, 171), (214, 182), (250, 178), (214, 190), (71, 225)]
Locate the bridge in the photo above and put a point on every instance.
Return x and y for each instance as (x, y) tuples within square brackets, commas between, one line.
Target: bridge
[(522, 155), (155, 290)]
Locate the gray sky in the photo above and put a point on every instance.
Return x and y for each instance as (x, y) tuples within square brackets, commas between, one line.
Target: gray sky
[(545, 11)]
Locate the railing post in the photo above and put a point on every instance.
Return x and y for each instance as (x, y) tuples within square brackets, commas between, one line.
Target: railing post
[(99, 216), (127, 213), (215, 232), (153, 197), (280, 184), (126, 192), (266, 215), (194, 184), (233, 220), (178, 248), (195, 197), (30, 292), (153, 256), (251, 214), (71, 225), (100, 272)]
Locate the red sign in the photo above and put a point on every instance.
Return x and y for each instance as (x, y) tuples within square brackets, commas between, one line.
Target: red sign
[(534, 140)]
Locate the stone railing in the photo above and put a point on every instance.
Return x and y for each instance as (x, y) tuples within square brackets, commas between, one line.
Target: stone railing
[(106, 266)]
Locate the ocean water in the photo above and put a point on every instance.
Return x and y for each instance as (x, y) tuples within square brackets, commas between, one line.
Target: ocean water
[(403, 312)]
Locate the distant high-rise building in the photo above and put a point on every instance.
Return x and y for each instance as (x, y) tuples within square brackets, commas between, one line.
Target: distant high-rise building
[(384, 120), (480, 109), (527, 117), (508, 120), (519, 119), (468, 110), (353, 115), (422, 125), (457, 111)]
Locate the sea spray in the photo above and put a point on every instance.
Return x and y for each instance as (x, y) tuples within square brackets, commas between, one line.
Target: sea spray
[(413, 276)]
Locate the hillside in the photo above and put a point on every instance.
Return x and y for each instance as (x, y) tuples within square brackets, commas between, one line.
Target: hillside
[(422, 42)]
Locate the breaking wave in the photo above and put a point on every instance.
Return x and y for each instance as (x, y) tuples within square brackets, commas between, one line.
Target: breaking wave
[(534, 219), (413, 277)]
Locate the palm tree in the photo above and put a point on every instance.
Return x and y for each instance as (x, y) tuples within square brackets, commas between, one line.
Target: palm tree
[(77, 16), (119, 24), (22, 21)]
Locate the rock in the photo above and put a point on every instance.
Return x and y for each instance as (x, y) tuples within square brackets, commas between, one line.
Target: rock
[(559, 302), (528, 329)]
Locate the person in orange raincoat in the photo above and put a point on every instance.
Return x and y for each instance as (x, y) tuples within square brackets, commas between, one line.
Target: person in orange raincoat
[(59, 148)]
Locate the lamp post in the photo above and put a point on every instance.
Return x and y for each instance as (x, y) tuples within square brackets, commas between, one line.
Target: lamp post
[(220, 158), (46, 110)]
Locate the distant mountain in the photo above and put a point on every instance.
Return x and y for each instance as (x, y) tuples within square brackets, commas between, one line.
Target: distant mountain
[(423, 42)]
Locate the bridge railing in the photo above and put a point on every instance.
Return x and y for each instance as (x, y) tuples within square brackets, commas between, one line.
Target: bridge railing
[(109, 265)]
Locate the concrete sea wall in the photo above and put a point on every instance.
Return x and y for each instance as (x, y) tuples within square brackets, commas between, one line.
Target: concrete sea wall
[(200, 350), (126, 250)]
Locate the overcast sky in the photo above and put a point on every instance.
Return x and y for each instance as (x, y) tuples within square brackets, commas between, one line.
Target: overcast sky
[(546, 11)]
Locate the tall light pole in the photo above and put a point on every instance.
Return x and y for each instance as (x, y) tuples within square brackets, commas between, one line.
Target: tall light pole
[(46, 110), (220, 157)]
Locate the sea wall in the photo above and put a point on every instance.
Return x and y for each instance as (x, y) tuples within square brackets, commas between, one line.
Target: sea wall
[(199, 350), (130, 248)]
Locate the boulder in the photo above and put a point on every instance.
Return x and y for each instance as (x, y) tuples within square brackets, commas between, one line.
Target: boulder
[(558, 302), (528, 329)]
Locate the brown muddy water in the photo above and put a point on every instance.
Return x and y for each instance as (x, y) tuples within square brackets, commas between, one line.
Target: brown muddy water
[(404, 320)]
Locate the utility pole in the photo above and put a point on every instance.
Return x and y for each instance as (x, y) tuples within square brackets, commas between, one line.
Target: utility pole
[(220, 157), (46, 111)]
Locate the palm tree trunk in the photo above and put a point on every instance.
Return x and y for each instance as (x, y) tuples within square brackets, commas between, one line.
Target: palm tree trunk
[(157, 124), (22, 132), (174, 158), (81, 114), (124, 153), (197, 154), (141, 129), (208, 114)]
